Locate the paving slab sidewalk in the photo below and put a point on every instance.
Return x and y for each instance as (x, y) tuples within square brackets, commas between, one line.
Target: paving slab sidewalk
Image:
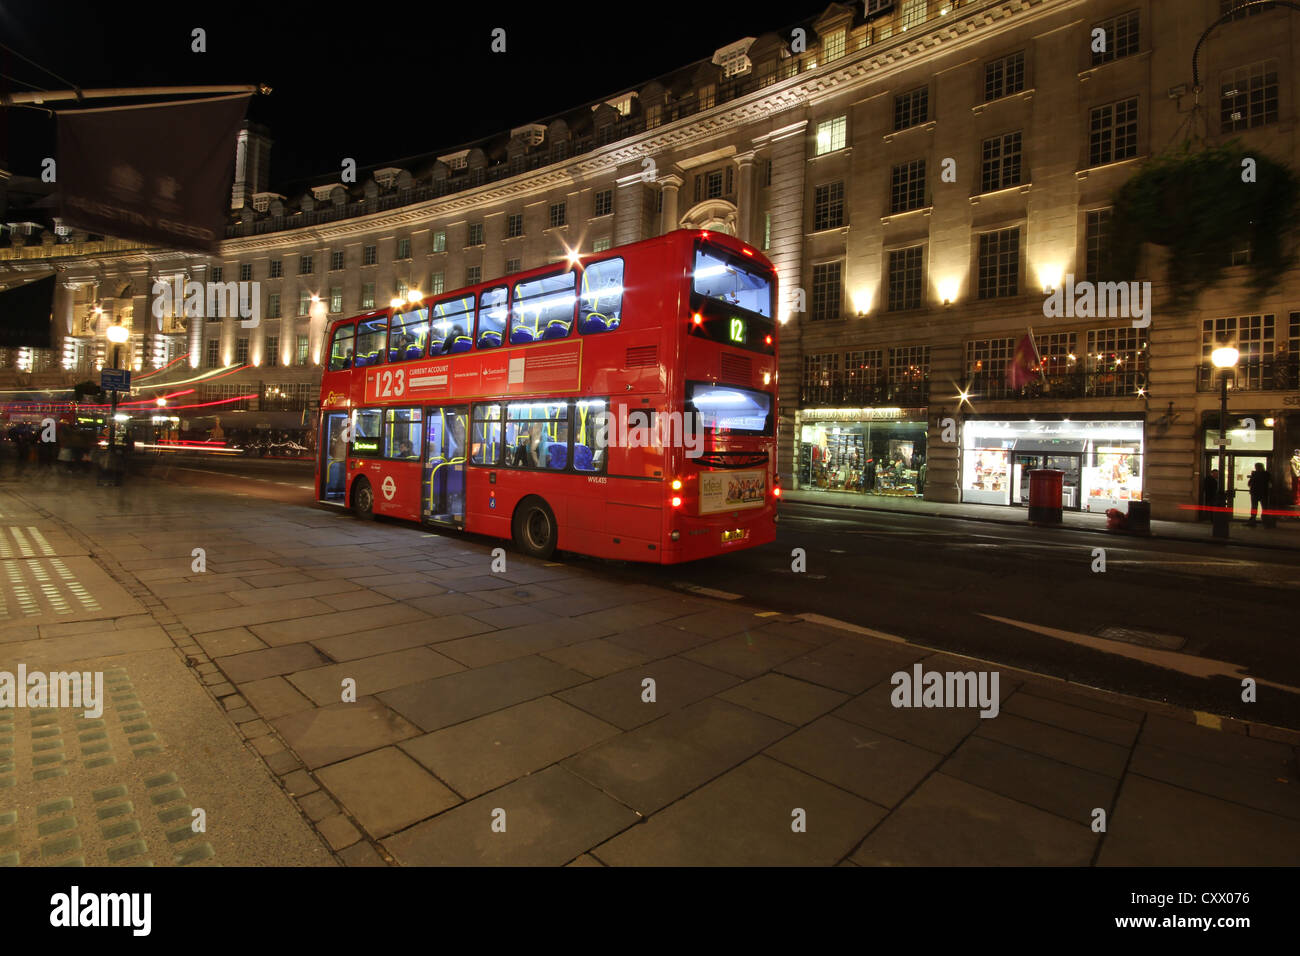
[(616, 724)]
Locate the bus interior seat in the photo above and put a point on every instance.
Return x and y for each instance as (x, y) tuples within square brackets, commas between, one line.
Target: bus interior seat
[(461, 343), (521, 334), (595, 322), (413, 351), (582, 458), (556, 329), (557, 456), (489, 339)]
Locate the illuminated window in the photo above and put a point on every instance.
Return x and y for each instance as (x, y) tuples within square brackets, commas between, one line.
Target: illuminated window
[(831, 135)]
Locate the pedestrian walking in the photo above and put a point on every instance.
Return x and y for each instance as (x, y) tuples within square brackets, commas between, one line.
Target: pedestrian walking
[(1258, 483)]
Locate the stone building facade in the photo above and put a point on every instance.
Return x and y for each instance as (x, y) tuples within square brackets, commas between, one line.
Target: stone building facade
[(924, 174)]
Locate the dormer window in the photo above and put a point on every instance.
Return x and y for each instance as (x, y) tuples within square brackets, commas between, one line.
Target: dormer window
[(456, 161), (733, 59), (623, 104), (833, 45)]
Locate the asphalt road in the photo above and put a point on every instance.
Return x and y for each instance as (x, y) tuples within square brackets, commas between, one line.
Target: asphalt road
[(1181, 622)]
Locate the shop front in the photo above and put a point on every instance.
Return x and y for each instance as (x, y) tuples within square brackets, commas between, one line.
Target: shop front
[(1250, 442), (1101, 460), (862, 451)]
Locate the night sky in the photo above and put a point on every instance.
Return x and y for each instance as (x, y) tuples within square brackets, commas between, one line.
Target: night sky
[(384, 82)]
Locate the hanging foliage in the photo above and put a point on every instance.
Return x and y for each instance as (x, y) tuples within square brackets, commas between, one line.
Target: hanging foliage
[(1202, 205)]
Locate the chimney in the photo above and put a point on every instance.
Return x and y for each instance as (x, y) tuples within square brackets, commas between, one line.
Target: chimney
[(252, 163)]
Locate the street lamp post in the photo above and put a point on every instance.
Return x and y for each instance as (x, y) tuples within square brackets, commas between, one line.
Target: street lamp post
[(1225, 360), (116, 334)]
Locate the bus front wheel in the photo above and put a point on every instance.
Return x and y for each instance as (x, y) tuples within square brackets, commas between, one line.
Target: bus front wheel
[(535, 530), (363, 499)]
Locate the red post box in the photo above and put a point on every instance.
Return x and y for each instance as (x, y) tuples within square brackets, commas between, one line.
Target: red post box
[(1045, 496)]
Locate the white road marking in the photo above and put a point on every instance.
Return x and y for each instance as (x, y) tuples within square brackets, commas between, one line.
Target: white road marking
[(709, 592), (1171, 660)]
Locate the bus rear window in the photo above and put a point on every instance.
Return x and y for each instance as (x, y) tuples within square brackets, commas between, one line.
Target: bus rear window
[(719, 276), (727, 410)]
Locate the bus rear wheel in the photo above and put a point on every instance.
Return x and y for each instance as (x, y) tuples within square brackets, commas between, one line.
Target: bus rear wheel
[(534, 527), (363, 499)]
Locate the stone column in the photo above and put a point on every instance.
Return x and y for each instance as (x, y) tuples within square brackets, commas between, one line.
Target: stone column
[(745, 196), (668, 221), (629, 204), (786, 149)]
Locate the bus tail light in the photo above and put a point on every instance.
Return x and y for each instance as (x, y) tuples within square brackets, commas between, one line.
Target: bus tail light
[(677, 484), (697, 318), (677, 501), (776, 491)]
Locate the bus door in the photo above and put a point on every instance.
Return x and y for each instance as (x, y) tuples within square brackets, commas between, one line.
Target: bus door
[(444, 466), (333, 457)]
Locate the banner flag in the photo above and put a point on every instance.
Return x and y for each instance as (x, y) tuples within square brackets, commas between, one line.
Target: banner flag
[(159, 174)]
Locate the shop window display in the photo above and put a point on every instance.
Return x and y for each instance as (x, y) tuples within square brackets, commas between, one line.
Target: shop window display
[(878, 458)]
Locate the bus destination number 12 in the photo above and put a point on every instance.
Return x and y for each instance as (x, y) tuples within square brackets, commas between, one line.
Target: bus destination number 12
[(737, 331)]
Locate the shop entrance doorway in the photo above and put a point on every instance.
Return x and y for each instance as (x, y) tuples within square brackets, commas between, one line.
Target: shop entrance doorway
[(1239, 468)]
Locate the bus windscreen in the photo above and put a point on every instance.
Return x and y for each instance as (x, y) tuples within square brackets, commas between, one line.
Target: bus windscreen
[(727, 410), (720, 277)]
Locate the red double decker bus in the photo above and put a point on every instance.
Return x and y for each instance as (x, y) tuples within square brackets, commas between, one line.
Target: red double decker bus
[(620, 405)]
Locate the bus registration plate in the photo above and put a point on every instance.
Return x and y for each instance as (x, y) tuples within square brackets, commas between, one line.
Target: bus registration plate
[(731, 490)]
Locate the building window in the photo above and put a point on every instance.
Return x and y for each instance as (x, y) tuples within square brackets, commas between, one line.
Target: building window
[(999, 263), (912, 14), (1116, 361), (273, 350), (911, 108), (1096, 243), (305, 266), (1113, 130), (831, 136), (604, 202), (556, 215), (473, 275), (601, 245), (241, 351), (1000, 162), (1248, 97), (217, 273), (273, 305), (369, 255), (304, 303), (303, 350), (827, 291), (821, 377), (1121, 38), (336, 298), (905, 279), (1004, 76), (246, 273), (514, 265), (436, 283), (708, 97), (439, 242), (828, 206), (654, 115), (336, 260), (400, 289), (833, 46), (767, 231), (863, 374), (1056, 358), (403, 248), (986, 366), (909, 375), (367, 295), (475, 236), (214, 353), (514, 225), (277, 268), (907, 186), (1240, 255)]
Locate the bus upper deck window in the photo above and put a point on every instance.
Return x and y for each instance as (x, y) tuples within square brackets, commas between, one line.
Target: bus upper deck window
[(370, 341), (407, 335), (600, 303), (341, 349), (450, 325), (543, 309), (492, 313)]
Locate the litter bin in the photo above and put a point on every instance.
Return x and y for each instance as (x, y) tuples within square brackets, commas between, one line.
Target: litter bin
[(1045, 496), (1139, 517)]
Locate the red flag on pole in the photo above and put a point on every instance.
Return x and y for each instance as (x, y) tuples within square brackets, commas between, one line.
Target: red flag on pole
[(159, 173), (1024, 364)]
